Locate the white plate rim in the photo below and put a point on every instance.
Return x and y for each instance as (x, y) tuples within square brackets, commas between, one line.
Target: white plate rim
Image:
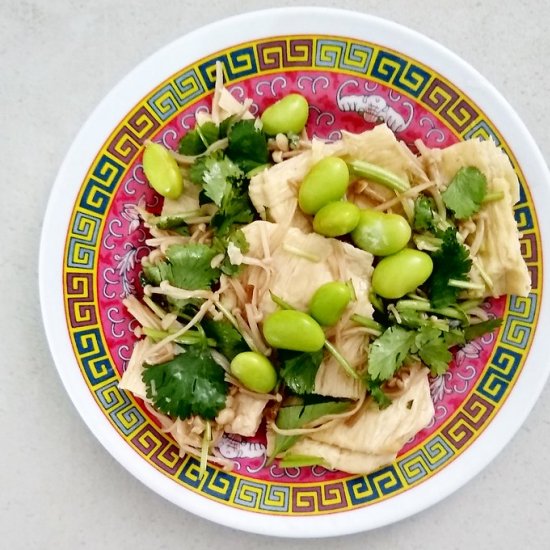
[(129, 91)]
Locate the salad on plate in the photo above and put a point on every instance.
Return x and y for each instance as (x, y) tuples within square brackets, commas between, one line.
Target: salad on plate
[(310, 288)]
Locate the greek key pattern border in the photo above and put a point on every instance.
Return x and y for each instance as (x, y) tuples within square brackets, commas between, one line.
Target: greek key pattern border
[(332, 54)]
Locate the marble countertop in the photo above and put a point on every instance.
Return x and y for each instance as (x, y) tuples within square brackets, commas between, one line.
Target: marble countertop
[(60, 488)]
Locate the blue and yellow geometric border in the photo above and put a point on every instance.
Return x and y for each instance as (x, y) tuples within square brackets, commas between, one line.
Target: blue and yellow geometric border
[(80, 274)]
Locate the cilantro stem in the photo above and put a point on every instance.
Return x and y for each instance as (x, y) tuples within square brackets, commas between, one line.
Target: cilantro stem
[(201, 135), (206, 439), (379, 175), (367, 322), (470, 304), (255, 171), (466, 284), (376, 301), (440, 324), (200, 330), (280, 302), (417, 297), (341, 359), (295, 461), (420, 305), (231, 318), (155, 220), (493, 197)]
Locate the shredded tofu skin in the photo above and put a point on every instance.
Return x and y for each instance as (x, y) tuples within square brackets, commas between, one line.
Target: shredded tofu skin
[(495, 229), (277, 261), (371, 438)]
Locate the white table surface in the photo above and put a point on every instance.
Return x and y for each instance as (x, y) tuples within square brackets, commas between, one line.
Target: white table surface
[(58, 487)]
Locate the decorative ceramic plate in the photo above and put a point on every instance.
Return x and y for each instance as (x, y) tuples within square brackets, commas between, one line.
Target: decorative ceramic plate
[(356, 71)]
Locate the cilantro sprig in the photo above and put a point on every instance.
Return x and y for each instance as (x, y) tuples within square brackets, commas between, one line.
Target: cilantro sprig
[(186, 266), (376, 392), (224, 182), (479, 329), (228, 339), (247, 145), (451, 262), (190, 384), (417, 337), (298, 416), (433, 347), (388, 352), (424, 214), (195, 142), (218, 176), (236, 210), (298, 370), (465, 193)]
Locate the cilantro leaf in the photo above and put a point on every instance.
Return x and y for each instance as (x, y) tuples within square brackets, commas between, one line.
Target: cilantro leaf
[(433, 349), (173, 222), (156, 273), (190, 384), (183, 308), (451, 261), (236, 209), (300, 369), (388, 351), (297, 416), (209, 132), (186, 266), (417, 319), (191, 144), (197, 141), (217, 176), (247, 145), (226, 124), (198, 168), (239, 240), (223, 182), (228, 339), (474, 331), (454, 336), (423, 214), (377, 393), (465, 192), (191, 265), (410, 318), (236, 238)]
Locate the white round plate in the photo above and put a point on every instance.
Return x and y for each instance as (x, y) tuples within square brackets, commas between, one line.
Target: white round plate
[(92, 241)]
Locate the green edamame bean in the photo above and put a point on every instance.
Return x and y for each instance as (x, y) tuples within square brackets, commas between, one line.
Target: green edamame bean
[(286, 115), (381, 234), (329, 302), (401, 273), (336, 219), (254, 371), (326, 182), (162, 171), (293, 330)]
